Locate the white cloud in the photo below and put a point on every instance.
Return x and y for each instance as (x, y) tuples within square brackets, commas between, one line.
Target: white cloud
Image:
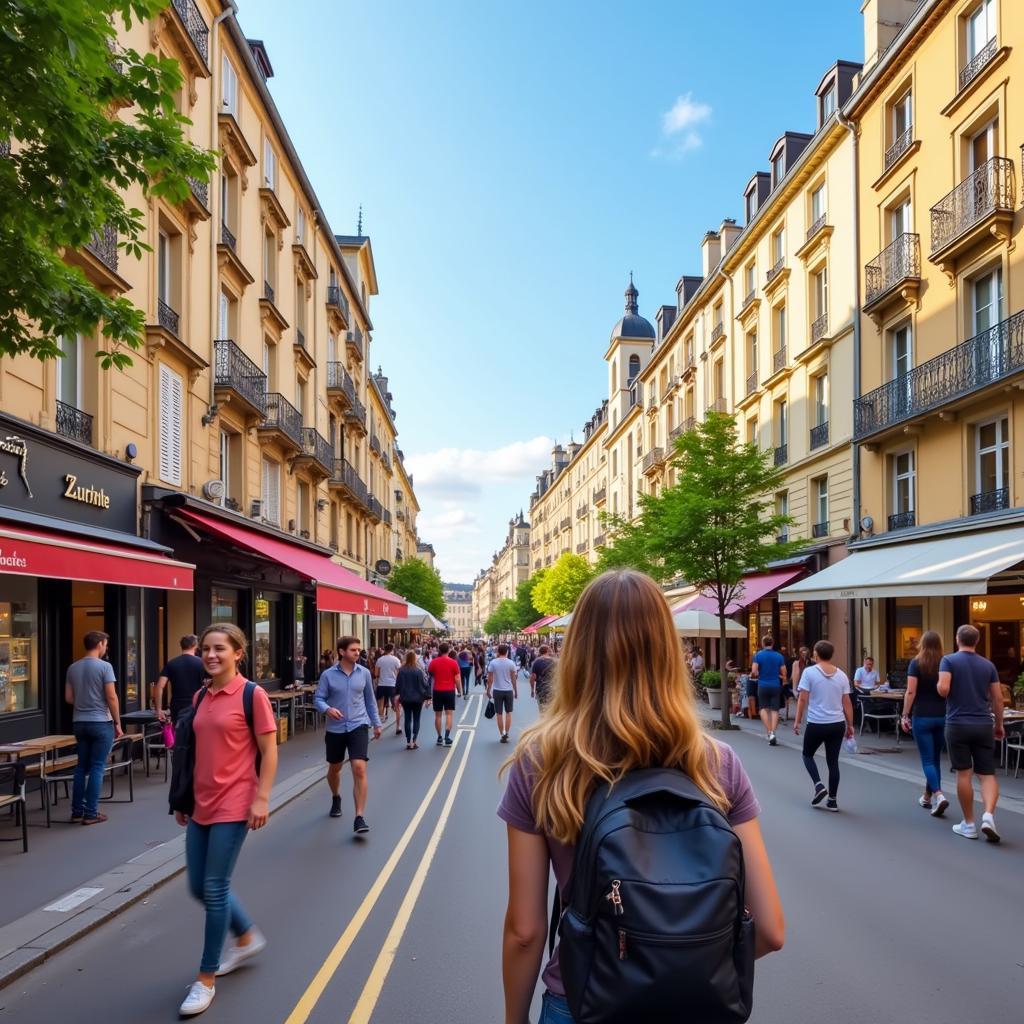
[(455, 471), (679, 126)]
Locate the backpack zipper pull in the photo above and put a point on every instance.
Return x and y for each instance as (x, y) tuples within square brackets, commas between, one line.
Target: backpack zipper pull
[(622, 944), (615, 897)]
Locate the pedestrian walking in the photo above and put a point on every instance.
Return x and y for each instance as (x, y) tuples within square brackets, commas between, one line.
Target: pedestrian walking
[(465, 667), (412, 690), (502, 688), (634, 721), (345, 695), (446, 679), (231, 796), (924, 714), (769, 669), (974, 721), (186, 675), (385, 670), (541, 673), (90, 686), (824, 693)]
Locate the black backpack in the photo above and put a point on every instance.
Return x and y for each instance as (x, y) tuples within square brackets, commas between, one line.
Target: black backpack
[(655, 928), (181, 796)]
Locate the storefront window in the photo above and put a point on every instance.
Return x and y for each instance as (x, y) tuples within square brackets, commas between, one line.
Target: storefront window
[(797, 627), (999, 618), (224, 605), (909, 619), (265, 634), (300, 647), (19, 645)]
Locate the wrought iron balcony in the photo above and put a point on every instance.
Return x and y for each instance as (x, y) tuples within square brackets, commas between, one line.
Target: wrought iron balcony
[(819, 329), (346, 477), (752, 383), (749, 298), (268, 291), (374, 507), (899, 146), (777, 267), (779, 359), (654, 458), (227, 238), (988, 191), (167, 317), (582, 510), (201, 190), (283, 418), (356, 413), (194, 24), (990, 501), (819, 435), (782, 538), (716, 332), (385, 516), (385, 461), (690, 423), (375, 444), (339, 381), (985, 359), (902, 520), (897, 263), (974, 67), (103, 246), (816, 226), (820, 529), (599, 495), (781, 454), (234, 371), (718, 405), (581, 547), (564, 524), (318, 448), (74, 423), (354, 339), (599, 540), (338, 299)]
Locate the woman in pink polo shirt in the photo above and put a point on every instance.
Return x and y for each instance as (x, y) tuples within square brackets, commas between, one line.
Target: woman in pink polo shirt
[(230, 799)]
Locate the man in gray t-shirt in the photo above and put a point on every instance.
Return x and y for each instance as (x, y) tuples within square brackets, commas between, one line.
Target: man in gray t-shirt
[(91, 688), (502, 676)]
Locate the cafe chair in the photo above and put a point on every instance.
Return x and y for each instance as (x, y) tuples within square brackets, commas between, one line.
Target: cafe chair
[(12, 795), (122, 759), (153, 746), (1014, 741), (879, 711), (306, 712)]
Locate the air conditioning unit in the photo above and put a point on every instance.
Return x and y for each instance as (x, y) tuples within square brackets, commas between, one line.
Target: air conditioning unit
[(213, 490)]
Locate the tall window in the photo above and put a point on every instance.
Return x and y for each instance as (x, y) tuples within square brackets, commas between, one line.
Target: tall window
[(819, 292), (987, 300), (269, 164), (901, 220), (818, 203), (828, 103), (719, 379), (332, 348), (751, 205), (778, 168), (229, 88), (902, 350), (69, 371), (752, 430), (634, 367), (821, 501), (981, 27), (902, 115), (779, 319), (903, 483), (778, 246), (782, 422), (300, 226), (820, 399), (992, 456), (172, 397), (752, 353), (270, 491), (163, 267), (300, 396), (269, 259), (983, 146), (302, 498), (748, 276)]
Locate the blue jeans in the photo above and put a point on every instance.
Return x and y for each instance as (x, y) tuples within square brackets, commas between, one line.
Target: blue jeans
[(929, 735), (94, 741), (554, 1010), (211, 852)]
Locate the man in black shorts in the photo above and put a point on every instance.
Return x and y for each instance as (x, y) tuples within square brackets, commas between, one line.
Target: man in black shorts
[(345, 695), (447, 682)]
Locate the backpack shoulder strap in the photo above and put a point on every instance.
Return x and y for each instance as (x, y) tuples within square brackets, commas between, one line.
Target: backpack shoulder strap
[(247, 699)]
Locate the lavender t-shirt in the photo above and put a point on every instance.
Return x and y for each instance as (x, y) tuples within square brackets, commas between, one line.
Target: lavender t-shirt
[(516, 809)]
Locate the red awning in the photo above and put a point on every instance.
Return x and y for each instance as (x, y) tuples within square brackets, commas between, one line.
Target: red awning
[(533, 627), (337, 589), (62, 556), (755, 587)]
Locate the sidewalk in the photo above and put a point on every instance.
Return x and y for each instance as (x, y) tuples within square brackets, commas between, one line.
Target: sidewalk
[(74, 878)]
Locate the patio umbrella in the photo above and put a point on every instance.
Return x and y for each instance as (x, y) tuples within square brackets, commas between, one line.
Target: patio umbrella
[(418, 618), (697, 623), (560, 623)]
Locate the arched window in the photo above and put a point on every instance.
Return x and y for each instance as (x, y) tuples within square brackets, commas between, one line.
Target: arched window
[(634, 366)]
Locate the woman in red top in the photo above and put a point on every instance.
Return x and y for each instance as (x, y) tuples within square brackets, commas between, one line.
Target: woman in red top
[(230, 799)]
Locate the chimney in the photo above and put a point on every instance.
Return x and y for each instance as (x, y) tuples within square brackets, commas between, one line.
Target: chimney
[(710, 251), (728, 233), (882, 21), (665, 318)]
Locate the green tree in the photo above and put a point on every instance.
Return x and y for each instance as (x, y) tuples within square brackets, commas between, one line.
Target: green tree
[(559, 590), (525, 611), (417, 582), (502, 619), (71, 157)]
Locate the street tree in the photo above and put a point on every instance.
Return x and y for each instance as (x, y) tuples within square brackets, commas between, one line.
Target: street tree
[(502, 619), (81, 121), (525, 611), (559, 590), (417, 582)]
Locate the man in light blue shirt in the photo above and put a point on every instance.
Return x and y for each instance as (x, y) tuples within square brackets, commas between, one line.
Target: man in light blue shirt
[(345, 695)]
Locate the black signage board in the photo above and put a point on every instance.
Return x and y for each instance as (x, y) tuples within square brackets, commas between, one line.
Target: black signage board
[(50, 476)]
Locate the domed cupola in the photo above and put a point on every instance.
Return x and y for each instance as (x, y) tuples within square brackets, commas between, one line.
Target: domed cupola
[(632, 325)]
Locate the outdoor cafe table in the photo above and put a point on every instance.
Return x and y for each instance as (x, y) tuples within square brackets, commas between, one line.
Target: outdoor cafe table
[(278, 697), (41, 746)]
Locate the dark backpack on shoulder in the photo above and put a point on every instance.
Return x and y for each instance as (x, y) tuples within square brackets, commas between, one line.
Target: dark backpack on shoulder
[(655, 928), (181, 796)]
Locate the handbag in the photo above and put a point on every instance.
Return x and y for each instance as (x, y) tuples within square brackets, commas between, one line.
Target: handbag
[(168, 731), (489, 710)]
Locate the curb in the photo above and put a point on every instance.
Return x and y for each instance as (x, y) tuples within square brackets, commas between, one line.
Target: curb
[(34, 938)]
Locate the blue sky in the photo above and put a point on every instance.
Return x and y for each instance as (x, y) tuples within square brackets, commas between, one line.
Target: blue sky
[(514, 163)]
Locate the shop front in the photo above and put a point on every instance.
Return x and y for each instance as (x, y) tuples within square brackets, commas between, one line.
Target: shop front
[(71, 561)]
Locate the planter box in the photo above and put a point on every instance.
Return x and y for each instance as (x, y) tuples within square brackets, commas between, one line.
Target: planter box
[(715, 698)]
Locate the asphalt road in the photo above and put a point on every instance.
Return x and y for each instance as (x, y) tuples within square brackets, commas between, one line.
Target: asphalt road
[(890, 917)]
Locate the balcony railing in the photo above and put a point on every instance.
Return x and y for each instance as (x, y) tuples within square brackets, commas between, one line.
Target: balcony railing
[(375, 444), (339, 379), (354, 338), (374, 507), (988, 190), (716, 332), (600, 494), (300, 337), (564, 524), (356, 412), (819, 329), (599, 540), (167, 317), (653, 458), (990, 501), (582, 510), (227, 238), (346, 475), (819, 435), (820, 529), (752, 383), (103, 246), (974, 67), (690, 423), (899, 261), (194, 24), (234, 370), (781, 454), (748, 298), (718, 405), (268, 291), (385, 461), (899, 146), (985, 359), (385, 515), (902, 520), (74, 423), (776, 269), (779, 359), (816, 226), (337, 298), (581, 547), (283, 416), (318, 448), (201, 190)]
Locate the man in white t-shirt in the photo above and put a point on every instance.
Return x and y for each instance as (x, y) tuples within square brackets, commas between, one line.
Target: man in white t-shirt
[(386, 673), (697, 664), (502, 688), (866, 678)]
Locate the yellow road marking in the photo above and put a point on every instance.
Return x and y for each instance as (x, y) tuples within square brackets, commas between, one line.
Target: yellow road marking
[(375, 982), (308, 1000)]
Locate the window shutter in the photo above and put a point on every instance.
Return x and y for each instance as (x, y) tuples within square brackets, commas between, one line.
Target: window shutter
[(224, 318), (271, 491), (172, 394)]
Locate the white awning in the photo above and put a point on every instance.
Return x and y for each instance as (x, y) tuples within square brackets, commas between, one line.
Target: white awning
[(961, 563)]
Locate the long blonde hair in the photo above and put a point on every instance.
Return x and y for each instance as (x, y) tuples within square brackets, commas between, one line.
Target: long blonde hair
[(621, 700)]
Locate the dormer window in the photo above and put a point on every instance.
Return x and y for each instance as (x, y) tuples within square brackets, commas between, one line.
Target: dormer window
[(751, 205), (778, 168), (828, 103)]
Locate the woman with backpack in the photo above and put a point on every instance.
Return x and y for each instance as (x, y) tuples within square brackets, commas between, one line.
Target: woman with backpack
[(230, 799), (926, 709), (412, 689), (636, 730)]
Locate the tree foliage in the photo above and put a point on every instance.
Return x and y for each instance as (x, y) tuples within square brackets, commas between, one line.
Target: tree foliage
[(559, 590), (417, 582), (524, 610), (502, 619), (72, 156)]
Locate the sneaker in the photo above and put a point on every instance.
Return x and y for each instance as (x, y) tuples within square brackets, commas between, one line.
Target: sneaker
[(967, 831), (447, 740), (198, 999), (925, 801), (237, 955), (772, 741), (335, 807), (988, 828), (832, 805), (76, 817), (820, 792), (97, 820), (504, 738), (941, 803), (359, 826)]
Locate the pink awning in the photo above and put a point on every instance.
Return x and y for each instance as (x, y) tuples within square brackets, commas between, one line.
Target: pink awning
[(534, 627), (754, 588)]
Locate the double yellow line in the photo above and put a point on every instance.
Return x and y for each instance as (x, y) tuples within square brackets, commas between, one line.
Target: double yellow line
[(378, 974)]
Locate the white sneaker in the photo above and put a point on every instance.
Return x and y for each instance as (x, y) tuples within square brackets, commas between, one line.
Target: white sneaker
[(988, 827), (941, 803), (772, 741), (237, 955), (925, 801), (965, 830), (198, 999)]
